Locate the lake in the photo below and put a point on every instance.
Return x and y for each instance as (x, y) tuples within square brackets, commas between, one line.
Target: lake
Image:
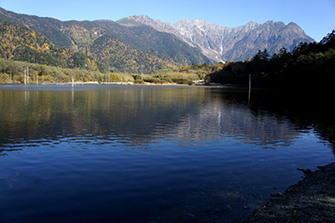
[(153, 153)]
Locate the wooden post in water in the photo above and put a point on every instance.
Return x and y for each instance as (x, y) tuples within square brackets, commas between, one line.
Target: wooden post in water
[(25, 77), (72, 82), (72, 94), (249, 93), (37, 79), (28, 75)]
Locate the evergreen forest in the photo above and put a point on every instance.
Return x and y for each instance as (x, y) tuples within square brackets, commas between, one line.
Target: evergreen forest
[(309, 67)]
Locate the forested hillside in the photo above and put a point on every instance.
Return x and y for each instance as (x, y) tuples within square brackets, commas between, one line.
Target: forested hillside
[(150, 40), (22, 44), (144, 41), (123, 58), (309, 67), (51, 28)]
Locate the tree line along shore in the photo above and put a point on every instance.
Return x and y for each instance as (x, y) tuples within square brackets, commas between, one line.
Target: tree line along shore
[(18, 72), (309, 67)]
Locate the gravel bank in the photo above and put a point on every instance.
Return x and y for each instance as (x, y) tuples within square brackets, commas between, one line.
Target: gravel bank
[(310, 200)]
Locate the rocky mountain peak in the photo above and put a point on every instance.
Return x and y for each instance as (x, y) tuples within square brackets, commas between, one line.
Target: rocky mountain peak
[(293, 24), (232, 43)]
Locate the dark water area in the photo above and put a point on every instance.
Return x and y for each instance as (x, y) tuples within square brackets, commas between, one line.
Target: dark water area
[(153, 154)]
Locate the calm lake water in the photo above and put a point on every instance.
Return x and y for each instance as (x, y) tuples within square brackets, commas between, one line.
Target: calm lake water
[(152, 154)]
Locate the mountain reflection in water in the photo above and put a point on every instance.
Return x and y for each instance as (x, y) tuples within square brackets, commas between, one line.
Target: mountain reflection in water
[(137, 115)]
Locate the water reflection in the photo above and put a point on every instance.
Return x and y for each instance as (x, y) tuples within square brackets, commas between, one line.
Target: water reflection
[(138, 115), (163, 154), (305, 112)]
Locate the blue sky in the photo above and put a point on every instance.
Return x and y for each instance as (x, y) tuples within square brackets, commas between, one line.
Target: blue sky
[(316, 17)]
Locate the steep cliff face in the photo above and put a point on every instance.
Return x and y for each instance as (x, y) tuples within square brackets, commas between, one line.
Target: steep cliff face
[(227, 43)]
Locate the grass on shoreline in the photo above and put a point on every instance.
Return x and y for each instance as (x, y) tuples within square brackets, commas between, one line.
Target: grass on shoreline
[(13, 72)]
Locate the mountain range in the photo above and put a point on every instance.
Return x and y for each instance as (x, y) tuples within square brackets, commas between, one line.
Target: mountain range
[(139, 44), (226, 43)]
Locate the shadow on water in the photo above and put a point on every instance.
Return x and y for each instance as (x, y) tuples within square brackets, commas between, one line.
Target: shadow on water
[(305, 111)]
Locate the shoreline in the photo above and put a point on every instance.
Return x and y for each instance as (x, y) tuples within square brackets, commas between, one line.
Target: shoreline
[(101, 83), (95, 83), (310, 200)]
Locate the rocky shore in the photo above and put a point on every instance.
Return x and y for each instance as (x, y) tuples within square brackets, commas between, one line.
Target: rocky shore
[(310, 200)]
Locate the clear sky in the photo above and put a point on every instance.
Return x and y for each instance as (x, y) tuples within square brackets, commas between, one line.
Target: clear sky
[(316, 17)]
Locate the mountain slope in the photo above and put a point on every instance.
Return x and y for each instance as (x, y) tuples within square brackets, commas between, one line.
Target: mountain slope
[(225, 43), (162, 43), (185, 42), (121, 57), (51, 28), (22, 44), (81, 36)]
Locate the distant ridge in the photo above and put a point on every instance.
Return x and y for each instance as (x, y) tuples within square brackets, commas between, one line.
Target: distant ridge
[(139, 49), (226, 43), (140, 44)]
